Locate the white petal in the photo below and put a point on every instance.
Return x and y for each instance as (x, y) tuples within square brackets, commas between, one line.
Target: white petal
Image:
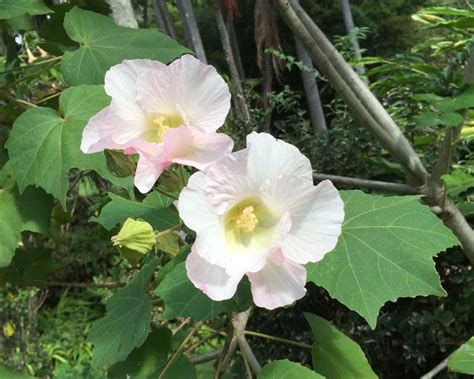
[(98, 133), (211, 279), (188, 85), (317, 214), (269, 157), (151, 164), (185, 145), (193, 207), (228, 181), (281, 282), (121, 79)]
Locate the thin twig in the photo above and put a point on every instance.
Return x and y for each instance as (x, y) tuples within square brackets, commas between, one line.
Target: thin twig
[(436, 370), (44, 99), (32, 75), (169, 231), (182, 325), (278, 339), (204, 340), (167, 194), (79, 285), (25, 103), (30, 65), (180, 349), (399, 188), (248, 353), (182, 177), (248, 370), (206, 357)]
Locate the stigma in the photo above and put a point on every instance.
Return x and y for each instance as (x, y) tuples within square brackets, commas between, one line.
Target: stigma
[(247, 220)]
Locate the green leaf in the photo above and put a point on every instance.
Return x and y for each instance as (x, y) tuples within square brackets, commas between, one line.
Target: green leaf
[(427, 119), (451, 119), (155, 210), (182, 299), (44, 146), (427, 97), (6, 373), (126, 323), (458, 182), (285, 369), (384, 252), (181, 368), (104, 44), (30, 211), (14, 8), (448, 11), (462, 360), (335, 355), (27, 267), (148, 360), (463, 101)]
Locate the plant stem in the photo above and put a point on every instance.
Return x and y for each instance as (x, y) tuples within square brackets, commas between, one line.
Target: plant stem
[(182, 177), (29, 65), (167, 194), (180, 349), (399, 188), (278, 339), (79, 285)]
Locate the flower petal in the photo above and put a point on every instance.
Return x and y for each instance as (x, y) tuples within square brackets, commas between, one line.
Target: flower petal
[(242, 173), (269, 157), (121, 79), (189, 85), (194, 148), (98, 133), (317, 214), (151, 163), (228, 182), (211, 279), (281, 282)]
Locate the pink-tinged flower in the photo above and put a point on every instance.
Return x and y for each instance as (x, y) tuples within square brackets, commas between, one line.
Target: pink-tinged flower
[(165, 114), (256, 212)]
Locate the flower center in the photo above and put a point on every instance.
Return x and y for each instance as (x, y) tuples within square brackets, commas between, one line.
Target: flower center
[(247, 220), (248, 223), (159, 123)]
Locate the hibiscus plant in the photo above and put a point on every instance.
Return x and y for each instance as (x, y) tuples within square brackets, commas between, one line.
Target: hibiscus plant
[(206, 232)]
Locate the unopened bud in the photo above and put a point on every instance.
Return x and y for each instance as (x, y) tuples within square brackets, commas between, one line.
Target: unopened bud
[(119, 164), (135, 235)]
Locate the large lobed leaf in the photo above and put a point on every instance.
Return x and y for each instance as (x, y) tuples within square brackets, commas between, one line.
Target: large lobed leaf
[(154, 210), (30, 211), (44, 145), (104, 44), (126, 323), (384, 252), (14, 8), (335, 355), (462, 360), (285, 369), (182, 299)]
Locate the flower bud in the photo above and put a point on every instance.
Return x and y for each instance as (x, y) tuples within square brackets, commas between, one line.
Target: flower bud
[(119, 164), (135, 236)]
